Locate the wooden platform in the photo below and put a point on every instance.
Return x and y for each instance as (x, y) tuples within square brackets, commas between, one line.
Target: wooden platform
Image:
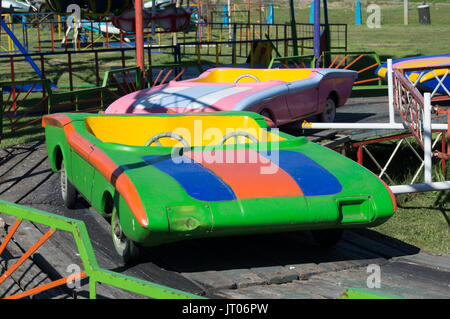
[(288, 265)]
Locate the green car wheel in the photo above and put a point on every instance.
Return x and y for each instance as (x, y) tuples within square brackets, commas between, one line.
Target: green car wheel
[(128, 250), (68, 191)]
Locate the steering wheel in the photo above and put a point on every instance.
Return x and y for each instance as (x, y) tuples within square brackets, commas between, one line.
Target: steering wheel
[(246, 76), (155, 139), (236, 134)]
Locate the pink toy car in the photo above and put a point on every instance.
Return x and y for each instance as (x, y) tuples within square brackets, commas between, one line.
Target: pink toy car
[(283, 95)]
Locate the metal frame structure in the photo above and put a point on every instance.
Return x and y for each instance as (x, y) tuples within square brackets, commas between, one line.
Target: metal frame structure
[(91, 268), (416, 111), (116, 83), (346, 63), (342, 60)]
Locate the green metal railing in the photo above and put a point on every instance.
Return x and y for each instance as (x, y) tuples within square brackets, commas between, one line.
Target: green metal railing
[(359, 293), (91, 269), (22, 104)]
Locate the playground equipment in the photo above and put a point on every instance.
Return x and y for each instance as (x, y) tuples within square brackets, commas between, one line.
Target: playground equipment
[(416, 110), (170, 19), (100, 27), (89, 7), (194, 172), (19, 45), (280, 94), (22, 110), (362, 62), (122, 13), (431, 75), (91, 271), (358, 15), (23, 6)]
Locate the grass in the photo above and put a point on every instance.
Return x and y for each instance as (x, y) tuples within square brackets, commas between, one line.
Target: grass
[(422, 219), (393, 39)]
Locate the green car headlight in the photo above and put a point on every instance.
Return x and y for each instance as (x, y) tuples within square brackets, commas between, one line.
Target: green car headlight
[(355, 209), (192, 219)]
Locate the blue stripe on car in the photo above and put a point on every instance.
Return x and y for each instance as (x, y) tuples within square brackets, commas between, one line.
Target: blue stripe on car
[(199, 182), (313, 179)]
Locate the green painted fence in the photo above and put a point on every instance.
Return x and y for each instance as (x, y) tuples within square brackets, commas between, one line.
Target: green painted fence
[(95, 274)]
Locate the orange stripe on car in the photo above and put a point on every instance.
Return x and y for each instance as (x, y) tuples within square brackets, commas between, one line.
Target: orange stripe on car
[(97, 158), (243, 171), (57, 120)]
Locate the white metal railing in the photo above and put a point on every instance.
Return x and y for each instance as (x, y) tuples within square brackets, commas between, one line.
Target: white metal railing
[(416, 110)]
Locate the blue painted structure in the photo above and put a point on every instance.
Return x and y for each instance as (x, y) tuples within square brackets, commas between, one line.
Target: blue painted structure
[(358, 17), (311, 13)]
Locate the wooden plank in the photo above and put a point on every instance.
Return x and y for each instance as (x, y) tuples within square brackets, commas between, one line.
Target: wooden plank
[(28, 275), (211, 279), (441, 262), (378, 248), (253, 292), (394, 280), (276, 274), (423, 279), (306, 270), (14, 156), (21, 180), (319, 287), (243, 277)]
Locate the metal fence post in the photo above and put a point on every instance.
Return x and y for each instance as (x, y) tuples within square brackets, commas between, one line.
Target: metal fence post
[(1, 114), (390, 91), (427, 138)]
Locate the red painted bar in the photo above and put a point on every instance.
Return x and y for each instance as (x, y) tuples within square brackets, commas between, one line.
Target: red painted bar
[(39, 36), (13, 89), (53, 39), (10, 234), (138, 5), (27, 254), (45, 287)]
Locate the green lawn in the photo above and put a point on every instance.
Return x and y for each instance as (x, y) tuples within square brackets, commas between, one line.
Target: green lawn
[(422, 220), (393, 39)]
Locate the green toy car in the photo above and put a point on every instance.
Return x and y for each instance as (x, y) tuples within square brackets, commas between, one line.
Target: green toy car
[(164, 178)]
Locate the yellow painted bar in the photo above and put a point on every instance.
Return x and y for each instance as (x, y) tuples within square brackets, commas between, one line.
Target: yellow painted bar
[(59, 28), (230, 75)]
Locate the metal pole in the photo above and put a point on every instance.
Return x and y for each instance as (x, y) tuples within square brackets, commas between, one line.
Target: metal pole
[(327, 34), (366, 126), (293, 28), (317, 31), (229, 20), (391, 91), (419, 188), (427, 138), (175, 34), (138, 7), (153, 14), (405, 11)]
